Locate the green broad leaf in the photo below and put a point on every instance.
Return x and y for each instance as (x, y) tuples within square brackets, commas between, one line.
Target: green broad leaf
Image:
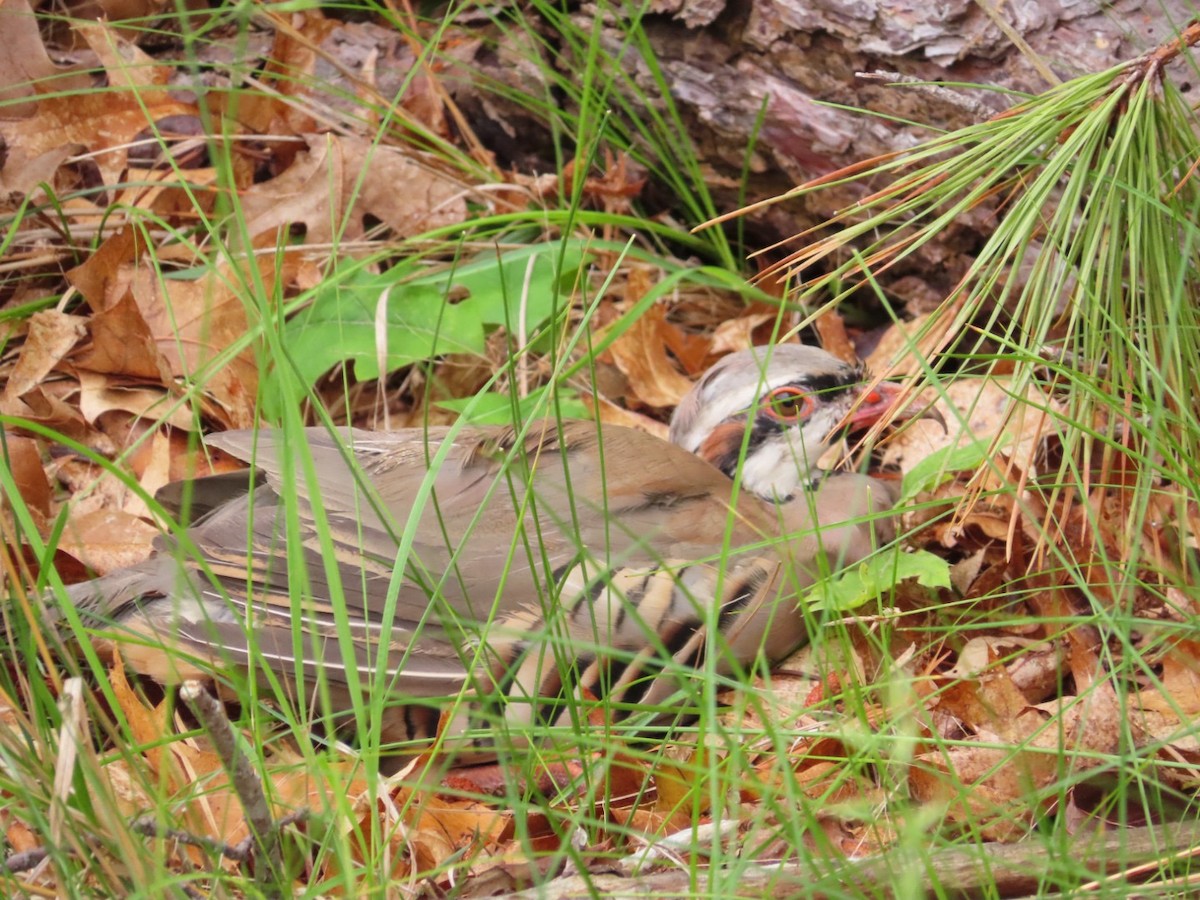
[(344, 324), (872, 578), (526, 284), (940, 466), (385, 321), (489, 408)]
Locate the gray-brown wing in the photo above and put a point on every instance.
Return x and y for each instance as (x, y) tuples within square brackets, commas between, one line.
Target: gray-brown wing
[(490, 534), (497, 518)]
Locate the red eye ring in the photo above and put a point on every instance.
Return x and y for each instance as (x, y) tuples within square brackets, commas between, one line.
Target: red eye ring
[(788, 404)]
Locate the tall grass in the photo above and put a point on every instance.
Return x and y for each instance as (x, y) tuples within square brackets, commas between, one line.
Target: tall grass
[(1090, 181)]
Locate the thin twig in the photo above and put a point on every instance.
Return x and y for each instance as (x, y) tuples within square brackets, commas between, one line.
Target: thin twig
[(264, 832), (239, 852)]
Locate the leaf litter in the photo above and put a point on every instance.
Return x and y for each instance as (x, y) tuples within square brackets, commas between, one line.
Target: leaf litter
[(1008, 722)]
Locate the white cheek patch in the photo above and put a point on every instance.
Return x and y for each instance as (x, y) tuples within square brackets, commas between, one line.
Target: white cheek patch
[(772, 470), (811, 443), (782, 464)]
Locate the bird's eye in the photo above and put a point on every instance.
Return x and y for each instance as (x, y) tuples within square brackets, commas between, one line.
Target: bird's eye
[(788, 404)]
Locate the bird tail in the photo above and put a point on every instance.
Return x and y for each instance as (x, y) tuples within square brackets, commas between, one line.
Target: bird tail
[(101, 600)]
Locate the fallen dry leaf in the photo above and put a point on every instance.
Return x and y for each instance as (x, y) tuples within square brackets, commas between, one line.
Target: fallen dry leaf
[(195, 774), (45, 407), (107, 539), (343, 76), (24, 460), (641, 352), (24, 62), (831, 329), (737, 334), (1179, 694), (50, 337), (100, 393), (152, 329), (1094, 725), (612, 414), (193, 324), (976, 410), (979, 654), (103, 122), (22, 177), (899, 350), (123, 345), (339, 180), (992, 789)]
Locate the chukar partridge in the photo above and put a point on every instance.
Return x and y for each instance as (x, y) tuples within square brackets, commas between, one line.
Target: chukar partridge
[(483, 578)]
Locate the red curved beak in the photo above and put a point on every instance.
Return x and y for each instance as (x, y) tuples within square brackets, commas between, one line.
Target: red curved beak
[(874, 404), (880, 402)]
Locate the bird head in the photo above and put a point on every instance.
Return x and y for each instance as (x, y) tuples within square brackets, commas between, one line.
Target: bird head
[(771, 412)]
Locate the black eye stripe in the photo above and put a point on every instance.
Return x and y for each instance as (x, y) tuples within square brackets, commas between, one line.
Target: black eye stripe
[(824, 388), (831, 385)]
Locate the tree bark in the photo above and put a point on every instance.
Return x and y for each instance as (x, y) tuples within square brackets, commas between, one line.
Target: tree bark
[(753, 83)]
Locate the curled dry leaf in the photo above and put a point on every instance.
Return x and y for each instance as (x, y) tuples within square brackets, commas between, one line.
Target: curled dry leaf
[(153, 455), (991, 789), (975, 527), (980, 654), (195, 324), (153, 467), (150, 726), (615, 189), (1094, 724), (641, 352), (123, 345), (1176, 741), (1037, 673), (496, 779), (1178, 693), (737, 334), (100, 394), (831, 329), (156, 330), (343, 76), (103, 278), (780, 701), (693, 350), (213, 811), (992, 705), (901, 347), (22, 176), (46, 407), (997, 786), (443, 827), (160, 193), (51, 336)]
